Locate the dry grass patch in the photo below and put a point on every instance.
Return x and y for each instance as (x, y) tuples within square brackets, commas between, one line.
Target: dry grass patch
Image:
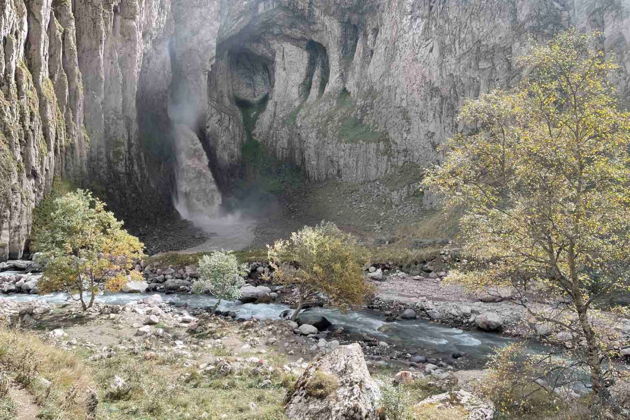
[(59, 382), (165, 389)]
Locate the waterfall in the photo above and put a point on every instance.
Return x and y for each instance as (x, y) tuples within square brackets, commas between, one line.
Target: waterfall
[(197, 197)]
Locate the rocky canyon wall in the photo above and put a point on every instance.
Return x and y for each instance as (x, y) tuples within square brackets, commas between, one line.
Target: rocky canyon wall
[(109, 93), (359, 90), (85, 94)]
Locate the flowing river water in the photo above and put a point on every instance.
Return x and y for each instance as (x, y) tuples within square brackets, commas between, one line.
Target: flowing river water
[(416, 335)]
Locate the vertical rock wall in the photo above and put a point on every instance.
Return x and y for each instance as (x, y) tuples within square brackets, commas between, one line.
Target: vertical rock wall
[(360, 89), (41, 110), (355, 90), (75, 78)]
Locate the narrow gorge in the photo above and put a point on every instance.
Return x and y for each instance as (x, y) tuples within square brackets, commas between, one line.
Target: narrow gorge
[(320, 209), (156, 102)]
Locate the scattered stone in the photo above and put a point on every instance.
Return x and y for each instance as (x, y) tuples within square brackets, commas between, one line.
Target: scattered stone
[(430, 367), (58, 333), (418, 359), (152, 320), (474, 407), (404, 377), (143, 331), (118, 388), (376, 275), (306, 329), (186, 318)]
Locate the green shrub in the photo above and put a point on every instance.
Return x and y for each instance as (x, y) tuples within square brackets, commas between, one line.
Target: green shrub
[(322, 384), (220, 275), (321, 259), (395, 403), (511, 384)]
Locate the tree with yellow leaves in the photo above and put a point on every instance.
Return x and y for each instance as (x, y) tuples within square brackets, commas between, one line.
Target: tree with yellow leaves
[(321, 259), (543, 172), (85, 249)]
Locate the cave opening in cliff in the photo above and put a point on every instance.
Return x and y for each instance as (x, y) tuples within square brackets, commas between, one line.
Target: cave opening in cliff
[(317, 70)]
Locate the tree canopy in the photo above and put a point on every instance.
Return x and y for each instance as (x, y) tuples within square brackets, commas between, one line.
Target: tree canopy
[(321, 259), (85, 248), (543, 172)]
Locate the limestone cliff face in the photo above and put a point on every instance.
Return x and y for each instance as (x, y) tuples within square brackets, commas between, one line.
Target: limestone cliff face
[(358, 89), (41, 109), (100, 91), (85, 92)]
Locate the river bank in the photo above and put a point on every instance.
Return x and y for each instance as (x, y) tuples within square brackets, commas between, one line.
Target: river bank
[(398, 297)]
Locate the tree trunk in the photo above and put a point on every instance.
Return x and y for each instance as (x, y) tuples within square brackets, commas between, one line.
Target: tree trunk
[(298, 309), (216, 306), (593, 354), (92, 296), (83, 305), (593, 358)]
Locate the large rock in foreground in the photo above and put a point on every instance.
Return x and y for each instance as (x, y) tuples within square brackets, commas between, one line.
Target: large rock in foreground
[(335, 386)]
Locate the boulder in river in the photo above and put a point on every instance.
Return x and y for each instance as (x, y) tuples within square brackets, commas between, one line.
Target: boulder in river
[(306, 329), (489, 321), (335, 386), (177, 285), (251, 294), (135, 287), (318, 321), (408, 314)]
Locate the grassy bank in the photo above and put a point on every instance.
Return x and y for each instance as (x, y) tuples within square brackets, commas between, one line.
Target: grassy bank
[(59, 382)]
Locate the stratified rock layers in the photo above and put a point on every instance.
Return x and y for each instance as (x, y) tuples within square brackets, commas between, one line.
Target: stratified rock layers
[(346, 89)]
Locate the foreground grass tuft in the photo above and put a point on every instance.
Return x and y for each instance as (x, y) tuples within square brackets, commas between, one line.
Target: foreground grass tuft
[(60, 382), (165, 389)]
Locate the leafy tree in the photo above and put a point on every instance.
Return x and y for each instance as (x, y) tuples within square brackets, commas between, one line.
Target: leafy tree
[(543, 172), (85, 248), (523, 385), (321, 259), (220, 275)]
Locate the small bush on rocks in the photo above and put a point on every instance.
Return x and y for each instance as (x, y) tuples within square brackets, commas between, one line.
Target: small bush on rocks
[(322, 384), (395, 403), (220, 275), (434, 412)]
